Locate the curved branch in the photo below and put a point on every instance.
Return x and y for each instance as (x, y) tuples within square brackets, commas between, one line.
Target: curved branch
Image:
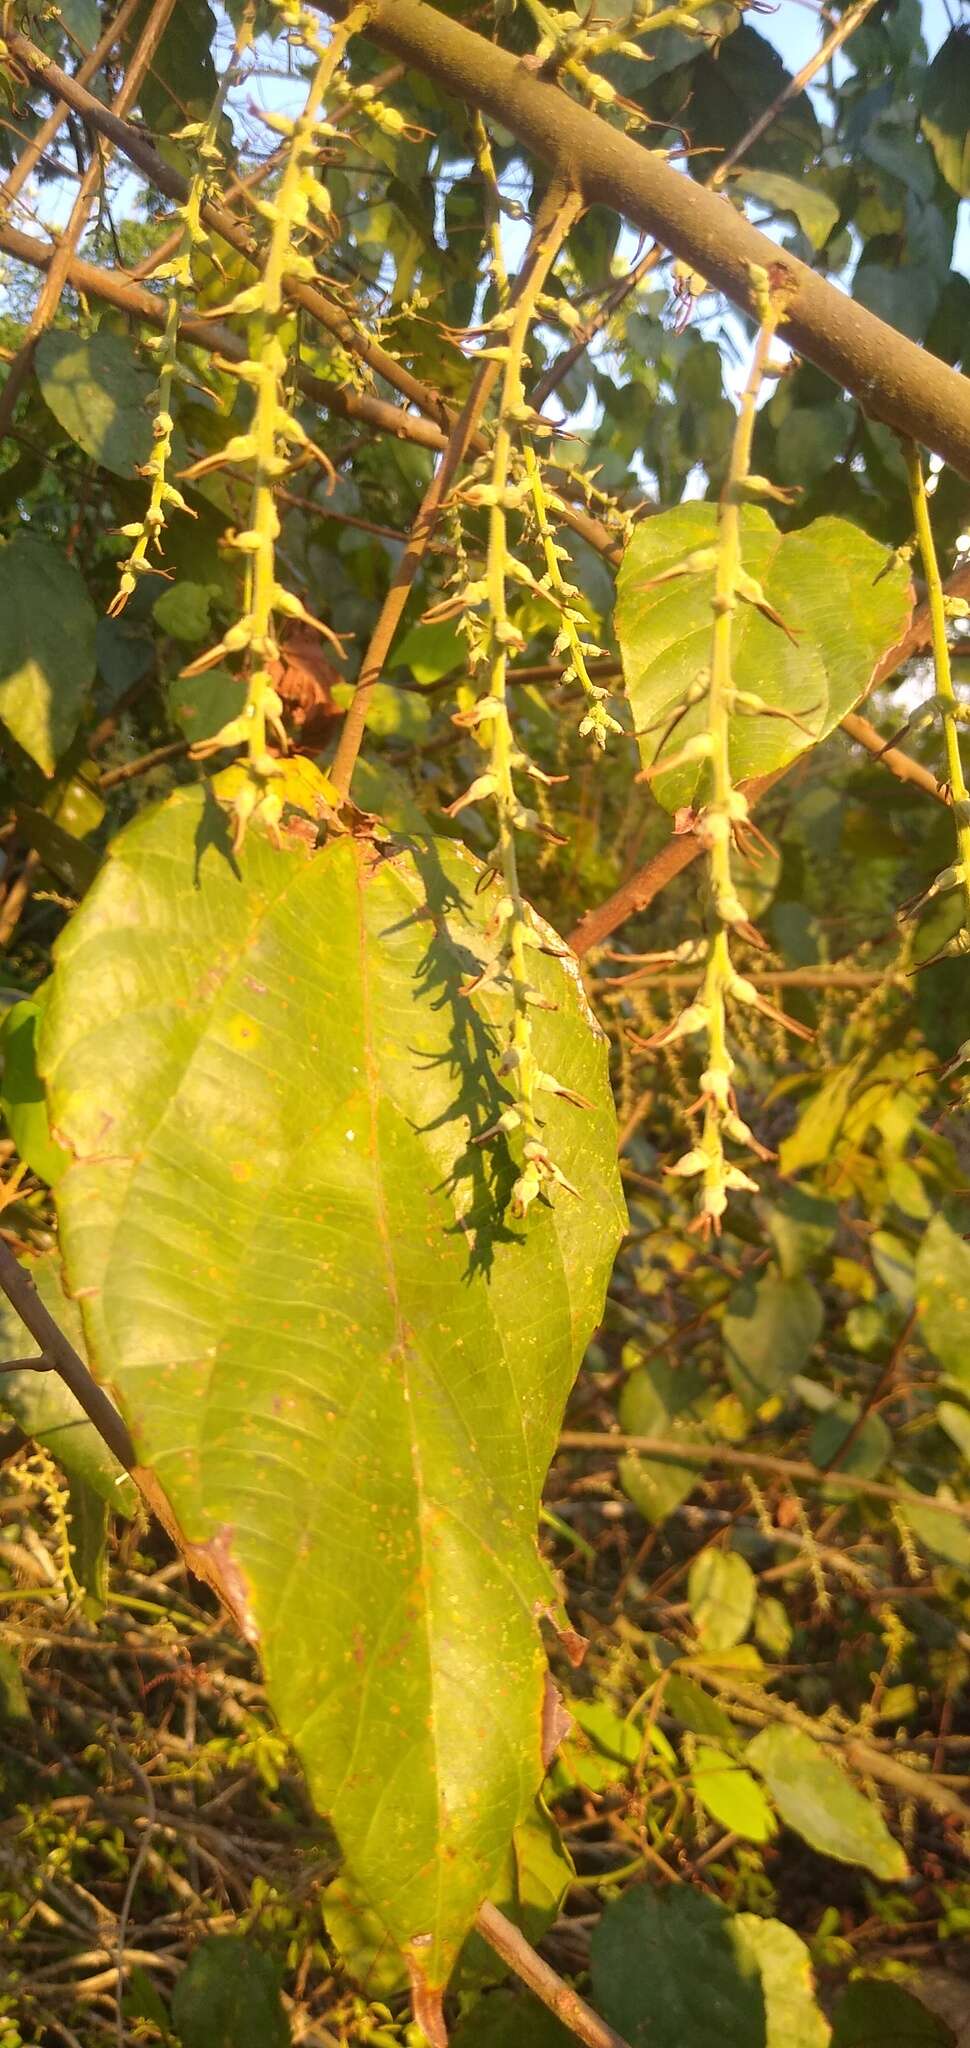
[(892, 377)]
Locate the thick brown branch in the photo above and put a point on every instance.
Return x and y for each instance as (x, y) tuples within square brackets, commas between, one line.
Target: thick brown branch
[(893, 379)]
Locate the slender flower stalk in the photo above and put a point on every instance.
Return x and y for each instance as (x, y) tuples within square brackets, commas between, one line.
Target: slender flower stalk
[(146, 533), (941, 608), (266, 448)]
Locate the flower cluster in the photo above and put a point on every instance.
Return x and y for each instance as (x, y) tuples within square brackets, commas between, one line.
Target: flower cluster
[(275, 436), (724, 821), (202, 139)]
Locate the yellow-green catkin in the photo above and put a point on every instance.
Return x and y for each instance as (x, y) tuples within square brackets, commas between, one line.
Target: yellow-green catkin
[(266, 450), (942, 609), (146, 533), (726, 810)]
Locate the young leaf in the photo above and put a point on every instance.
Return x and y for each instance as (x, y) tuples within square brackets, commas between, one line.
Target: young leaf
[(721, 1589), (815, 578), (344, 1364), (793, 2019), (47, 624), (658, 1401), (816, 1799), (731, 1795)]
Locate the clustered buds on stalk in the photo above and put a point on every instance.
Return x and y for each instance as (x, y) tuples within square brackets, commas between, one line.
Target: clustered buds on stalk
[(301, 204), (945, 701), (723, 823), (570, 42), (202, 139)]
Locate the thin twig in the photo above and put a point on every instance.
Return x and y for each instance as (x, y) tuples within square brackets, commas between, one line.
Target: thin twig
[(507, 1941), (737, 1459), (22, 1295)]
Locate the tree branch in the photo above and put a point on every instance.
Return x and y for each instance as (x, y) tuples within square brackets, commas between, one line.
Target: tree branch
[(738, 1459), (892, 377), (22, 1295)]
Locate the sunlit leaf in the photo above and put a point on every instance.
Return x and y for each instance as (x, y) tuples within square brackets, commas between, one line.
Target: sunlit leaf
[(816, 1798)]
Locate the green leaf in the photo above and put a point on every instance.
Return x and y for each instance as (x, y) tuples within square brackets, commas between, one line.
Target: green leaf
[(100, 394), (817, 1800), (229, 1997), (792, 2017), (868, 1451), (345, 1365), (668, 1973), (956, 1421), (813, 1138), (202, 705), (183, 610), (945, 1535), (658, 1401), (943, 1297), (22, 1096), (945, 100), (814, 211), (41, 1404), (181, 82), (721, 1590), (47, 626), (873, 2013), (731, 1795), (770, 1328), (430, 652), (815, 578), (694, 1708), (88, 1533), (801, 1226)]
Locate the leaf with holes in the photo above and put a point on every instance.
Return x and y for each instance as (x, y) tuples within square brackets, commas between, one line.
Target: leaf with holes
[(343, 1363), (816, 579)]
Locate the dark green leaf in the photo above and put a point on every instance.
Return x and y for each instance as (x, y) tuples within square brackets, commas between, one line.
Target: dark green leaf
[(14, 1704), (229, 1997), (771, 1326), (945, 102), (100, 394), (872, 2013), (648, 1983), (658, 1401), (47, 625)]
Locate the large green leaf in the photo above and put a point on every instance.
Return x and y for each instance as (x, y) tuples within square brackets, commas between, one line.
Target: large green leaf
[(731, 1795), (676, 1970), (344, 1363), (99, 393), (721, 1590), (815, 578), (943, 1297), (47, 624), (821, 1803), (814, 210)]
